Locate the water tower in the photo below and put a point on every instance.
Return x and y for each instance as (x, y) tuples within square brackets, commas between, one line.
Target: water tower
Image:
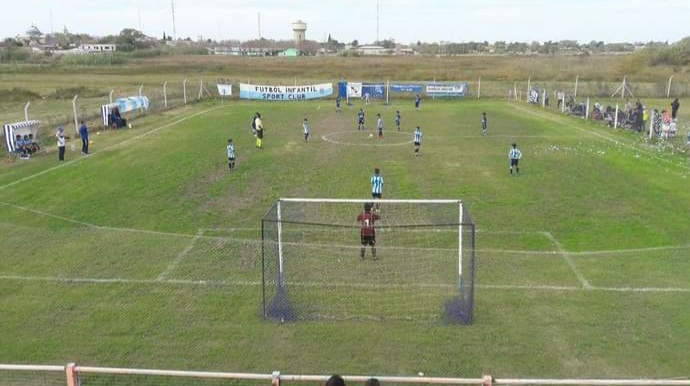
[(298, 29)]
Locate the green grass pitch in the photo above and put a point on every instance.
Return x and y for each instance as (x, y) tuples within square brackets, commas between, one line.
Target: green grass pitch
[(145, 253)]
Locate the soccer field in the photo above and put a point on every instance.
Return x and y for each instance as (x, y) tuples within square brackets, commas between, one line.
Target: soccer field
[(147, 252)]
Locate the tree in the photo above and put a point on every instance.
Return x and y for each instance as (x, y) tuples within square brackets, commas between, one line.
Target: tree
[(127, 39), (355, 43)]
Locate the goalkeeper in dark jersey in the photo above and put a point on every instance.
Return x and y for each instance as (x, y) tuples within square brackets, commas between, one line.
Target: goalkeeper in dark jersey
[(367, 221)]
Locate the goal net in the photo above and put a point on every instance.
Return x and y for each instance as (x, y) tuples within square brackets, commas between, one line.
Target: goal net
[(312, 265)]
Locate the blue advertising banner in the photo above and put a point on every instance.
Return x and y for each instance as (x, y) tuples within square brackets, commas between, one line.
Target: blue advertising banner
[(411, 88), (375, 90), (285, 93)]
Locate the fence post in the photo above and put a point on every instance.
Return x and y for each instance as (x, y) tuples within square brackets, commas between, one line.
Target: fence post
[(586, 117), (543, 99), (165, 94), (615, 118), (110, 97), (26, 110), (479, 87), (529, 86), (388, 91), (201, 88), (651, 124), (576, 80), (141, 89), (74, 110), (71, 374), (515, 94), (184, 90), (668, 89)]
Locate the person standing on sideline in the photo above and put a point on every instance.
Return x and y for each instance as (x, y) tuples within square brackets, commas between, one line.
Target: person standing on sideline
[(417, 140), (60, 135), (259, 131), (397, 119), (514, 155), (675, 105), (376, 186), (485, 124), (84, 135), (379, 125), (360, 120), (305, 126), (231, 155), (417, 102)]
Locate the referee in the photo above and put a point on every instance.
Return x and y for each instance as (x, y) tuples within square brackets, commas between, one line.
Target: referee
[(514, 155)]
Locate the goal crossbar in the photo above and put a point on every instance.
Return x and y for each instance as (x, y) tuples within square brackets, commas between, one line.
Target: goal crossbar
[(363, 201)]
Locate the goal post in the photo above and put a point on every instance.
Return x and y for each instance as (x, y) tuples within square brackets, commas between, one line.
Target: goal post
[(421, 266)]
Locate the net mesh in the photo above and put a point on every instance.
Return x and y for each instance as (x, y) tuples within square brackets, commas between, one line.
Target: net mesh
[(313, 267), (31, 377)]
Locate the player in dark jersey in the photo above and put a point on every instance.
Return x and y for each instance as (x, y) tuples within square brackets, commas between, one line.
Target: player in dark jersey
[(367, 221), (360, 120), (397, 120)]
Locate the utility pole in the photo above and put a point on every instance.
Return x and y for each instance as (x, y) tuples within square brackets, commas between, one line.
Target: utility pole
[(172, 3), (377, 21)]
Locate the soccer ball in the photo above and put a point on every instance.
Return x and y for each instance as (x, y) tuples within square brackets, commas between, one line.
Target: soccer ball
[(129, 125), (371, 135)]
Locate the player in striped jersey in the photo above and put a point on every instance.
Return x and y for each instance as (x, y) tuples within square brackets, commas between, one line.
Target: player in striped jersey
[(231, 155), (360, 120), (305, 127), (514, 155), (485, 124), (367, 230), (376, 186), (417, 140)]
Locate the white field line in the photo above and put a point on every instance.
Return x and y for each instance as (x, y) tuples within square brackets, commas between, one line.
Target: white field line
[(180, 256), (326, 138), (599, 135), (246, 240), (107, 148), (247, 283), (580, 277)]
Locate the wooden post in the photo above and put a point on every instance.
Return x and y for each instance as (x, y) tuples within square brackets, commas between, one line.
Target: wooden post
[(141, 90), (201, 88), (71, 374), (668, 89), (479, 87), (26, 110)]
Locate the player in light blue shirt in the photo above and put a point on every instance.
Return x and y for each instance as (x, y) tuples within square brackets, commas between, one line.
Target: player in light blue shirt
[(231, 155), (305, 127), (417, 140)]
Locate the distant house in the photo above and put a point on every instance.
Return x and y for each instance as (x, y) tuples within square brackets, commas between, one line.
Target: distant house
[(289, 52), (89, 47), (235, 51), (372, 50)]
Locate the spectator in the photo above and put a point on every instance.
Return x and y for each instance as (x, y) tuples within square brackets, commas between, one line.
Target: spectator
[(60, 135), (27, 144), (34, 145), (259, 132), (645, 117), (18, 144), (674, 109), (335, 380), (84, 135)]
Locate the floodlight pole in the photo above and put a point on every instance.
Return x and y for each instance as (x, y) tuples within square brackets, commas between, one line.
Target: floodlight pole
[(110, 97), (184, 90), (26, 110), (668, 89), (165, 94), (74, 110)]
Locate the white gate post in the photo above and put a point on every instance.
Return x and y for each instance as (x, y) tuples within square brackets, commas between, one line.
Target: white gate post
[(587, 110), (668, 89), (479, 87), (165, 94), (26, 110), (651, 124), (74, 110), (529, 86), (201, 88), (576, 80), (615, 118), (110, 97), (184, 90), (543, 99), (141, 90)]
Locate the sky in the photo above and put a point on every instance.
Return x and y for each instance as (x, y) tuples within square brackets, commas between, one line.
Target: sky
[(406, 21)]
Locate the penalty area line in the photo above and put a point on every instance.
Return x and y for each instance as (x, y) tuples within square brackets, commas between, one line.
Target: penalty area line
[(247, 283)]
